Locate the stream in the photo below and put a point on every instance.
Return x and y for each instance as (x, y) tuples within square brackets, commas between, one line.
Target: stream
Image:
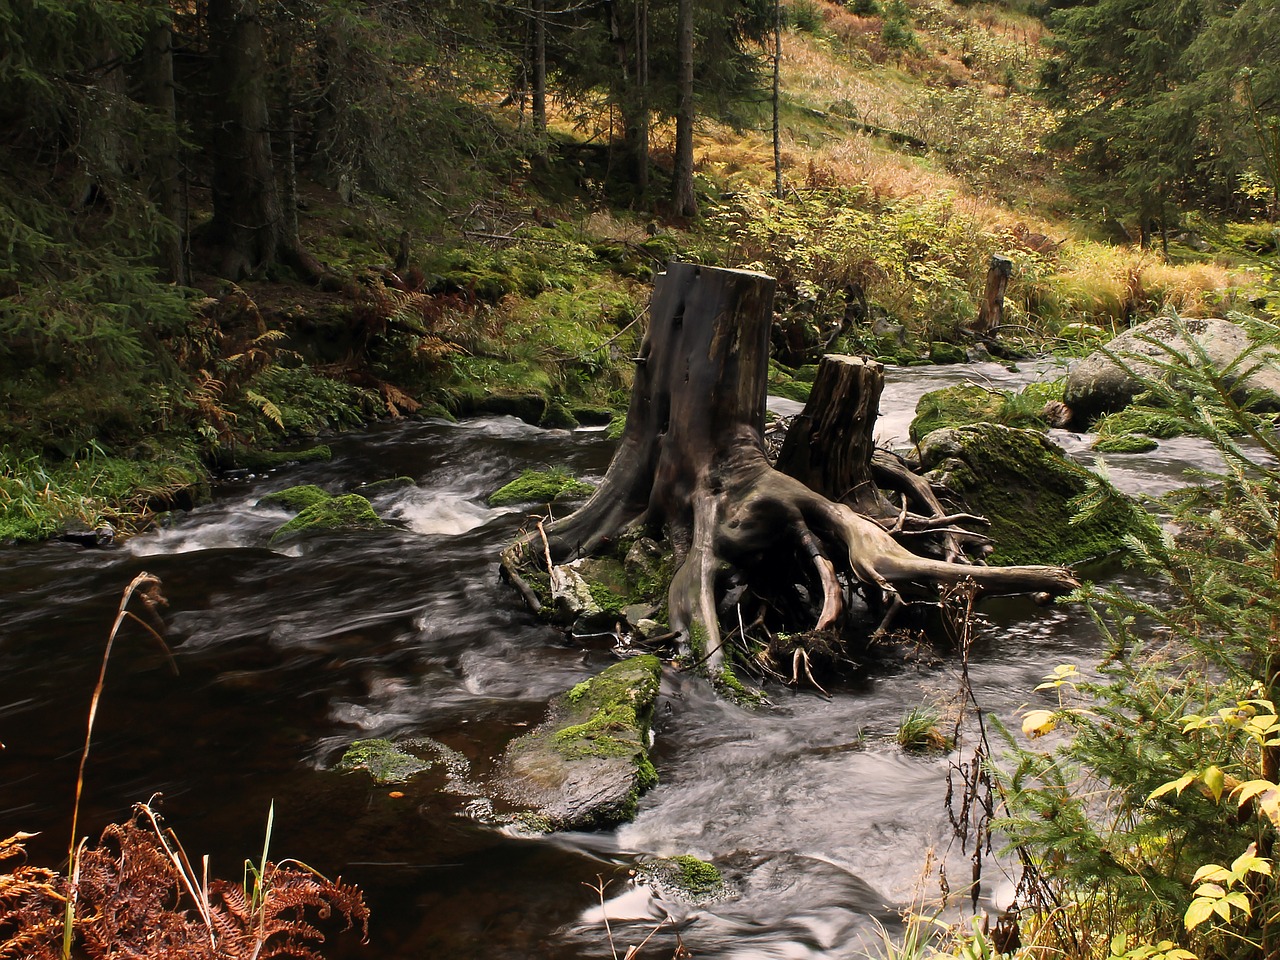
[(285, 655)]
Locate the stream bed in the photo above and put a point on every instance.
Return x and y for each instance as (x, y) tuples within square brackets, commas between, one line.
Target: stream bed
[(285, 655)]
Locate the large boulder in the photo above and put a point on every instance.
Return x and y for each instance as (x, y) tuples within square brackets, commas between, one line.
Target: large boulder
[(1031, 492), (586, 766), (1098, 384)]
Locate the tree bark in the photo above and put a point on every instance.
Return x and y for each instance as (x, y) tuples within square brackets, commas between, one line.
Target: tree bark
[(166, 161), (248, 217), (991, 311), (691, 467), (540, 66), (684, 201)]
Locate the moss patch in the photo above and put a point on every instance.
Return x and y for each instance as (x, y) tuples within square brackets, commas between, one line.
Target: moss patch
[(685, 878), (1043, 507), (261, 460), (588, 764), (540, 486), (1126, 443), (349, 512), (295, 499), (384, 761), (968, 403)]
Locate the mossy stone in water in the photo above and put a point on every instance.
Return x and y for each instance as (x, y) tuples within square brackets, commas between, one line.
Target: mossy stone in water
[(685, 878), (259, 460), (1031, 492), (540, 486), (348, 512), (955, 406), (384, 761), (558, 417), (1125, 443), (295, 499), (586, 766)]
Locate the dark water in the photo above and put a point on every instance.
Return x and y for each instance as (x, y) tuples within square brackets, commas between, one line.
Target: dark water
[(286, 655)]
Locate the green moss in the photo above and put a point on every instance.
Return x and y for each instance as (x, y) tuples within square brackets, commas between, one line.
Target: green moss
[(349, 512), (729, 685), (1126, 443), (1138, 418), (646, 774), (263, 460), (685, 878), (792, 390), (295, 499), (558, 417), (612, 711), (540, 486), (1043, 507), (969, 403), (940, 352), (384, 761)]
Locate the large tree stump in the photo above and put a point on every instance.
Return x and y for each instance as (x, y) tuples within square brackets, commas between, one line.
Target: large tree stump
[(991, 310), (691, 468)]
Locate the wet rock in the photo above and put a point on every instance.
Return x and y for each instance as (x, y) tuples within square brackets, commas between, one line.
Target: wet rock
[(97, 538), (586, 766), (295, 499), (379, 488), (383, 760), (540, 486), (557, 417), (1057, 414), (528, 407), (349, 512), (685, 879), (1098, 384), (637, 613), (1031, 492)]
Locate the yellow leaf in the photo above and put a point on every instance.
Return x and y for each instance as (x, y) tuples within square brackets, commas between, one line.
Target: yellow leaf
[(1200, 910), (1250, 789), (1214, 780), (1211, 872), (1173, 785), (1036, 723)]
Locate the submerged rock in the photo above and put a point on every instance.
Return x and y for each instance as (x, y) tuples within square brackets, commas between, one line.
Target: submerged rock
[(1031, 492), (586, 766), (1098, 384), (383, 760), (349, 512)]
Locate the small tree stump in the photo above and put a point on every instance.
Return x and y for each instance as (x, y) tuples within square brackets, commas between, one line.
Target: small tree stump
[(991, 310)]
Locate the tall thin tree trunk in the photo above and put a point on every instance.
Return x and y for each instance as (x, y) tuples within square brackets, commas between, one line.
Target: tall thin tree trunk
[(540, 66), (683, 199), (777, 85), (640, 144), (166, 161)]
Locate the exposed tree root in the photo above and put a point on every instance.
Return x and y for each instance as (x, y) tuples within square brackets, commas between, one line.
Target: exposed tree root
[(691, 467)]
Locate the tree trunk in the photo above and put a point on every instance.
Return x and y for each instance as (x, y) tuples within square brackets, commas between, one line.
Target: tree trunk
[(166, 162), (991, 311), (777, 89), (691, 467), (248, 217), (540, 66), (684, 201)]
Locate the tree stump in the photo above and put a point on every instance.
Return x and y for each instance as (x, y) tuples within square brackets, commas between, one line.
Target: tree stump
[(991, 310), (691, 468)]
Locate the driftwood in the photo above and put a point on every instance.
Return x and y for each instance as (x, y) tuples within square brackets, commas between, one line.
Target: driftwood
[(691, 467)]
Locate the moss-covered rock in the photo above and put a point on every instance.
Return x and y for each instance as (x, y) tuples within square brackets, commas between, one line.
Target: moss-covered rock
[(557, 417), (968, 403), (593, 416), (348, 512), (383, 760), (379, 488), (685, 879), (1125, 443), (586, 766), (529, 407), (540, 486), (295, 499), (1031, 492), (263, 460)]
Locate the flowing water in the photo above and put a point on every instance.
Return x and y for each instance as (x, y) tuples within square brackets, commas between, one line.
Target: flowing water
[(286, 655)]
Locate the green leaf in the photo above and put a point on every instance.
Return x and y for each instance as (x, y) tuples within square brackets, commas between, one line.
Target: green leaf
[(1214, 779)]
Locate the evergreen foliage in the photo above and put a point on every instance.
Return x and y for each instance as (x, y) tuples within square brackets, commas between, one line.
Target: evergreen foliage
[(1169, 760)]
